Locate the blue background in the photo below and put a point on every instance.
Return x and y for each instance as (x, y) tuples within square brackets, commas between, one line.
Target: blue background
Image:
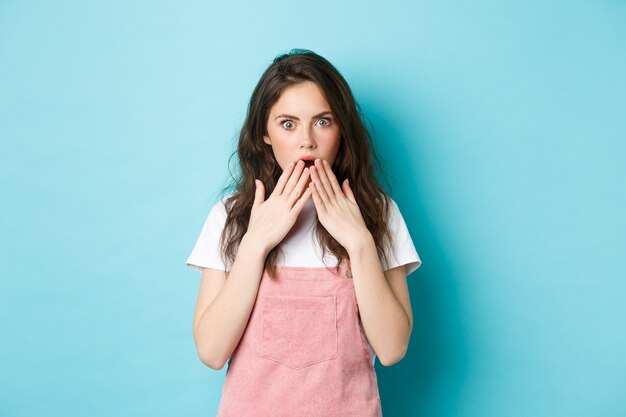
[(501, 123)]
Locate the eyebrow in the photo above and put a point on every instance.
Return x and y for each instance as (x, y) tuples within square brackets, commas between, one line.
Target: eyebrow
[(296, 118)]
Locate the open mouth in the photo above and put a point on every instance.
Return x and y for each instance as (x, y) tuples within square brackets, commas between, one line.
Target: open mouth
[(309, 164)]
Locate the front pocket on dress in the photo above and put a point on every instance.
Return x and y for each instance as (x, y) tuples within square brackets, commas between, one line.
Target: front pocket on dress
[(299, 331)]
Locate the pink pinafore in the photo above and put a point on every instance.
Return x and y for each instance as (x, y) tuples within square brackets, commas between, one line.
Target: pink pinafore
[(304, 352)]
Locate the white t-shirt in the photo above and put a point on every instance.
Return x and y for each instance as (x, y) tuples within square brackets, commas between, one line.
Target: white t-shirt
[(300, 246)]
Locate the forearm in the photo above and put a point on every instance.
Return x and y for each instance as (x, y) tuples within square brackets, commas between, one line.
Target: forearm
[(224, 320), (385, 322)]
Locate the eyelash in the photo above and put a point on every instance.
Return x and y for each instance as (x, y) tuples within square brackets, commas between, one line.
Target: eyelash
[(287, 120)]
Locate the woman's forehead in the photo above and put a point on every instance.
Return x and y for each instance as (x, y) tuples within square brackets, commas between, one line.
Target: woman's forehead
[(304, 99)]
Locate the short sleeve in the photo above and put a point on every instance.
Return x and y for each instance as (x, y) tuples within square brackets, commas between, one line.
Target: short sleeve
[(404, 252), (206, 252)]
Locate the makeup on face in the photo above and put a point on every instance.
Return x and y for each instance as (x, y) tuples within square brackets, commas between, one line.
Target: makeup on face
[(302, 126)]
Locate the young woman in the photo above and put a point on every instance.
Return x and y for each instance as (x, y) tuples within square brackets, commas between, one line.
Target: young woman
[(300, 337)]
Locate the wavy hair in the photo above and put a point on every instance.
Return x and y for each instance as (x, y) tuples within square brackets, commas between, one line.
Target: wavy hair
[(356, 158)]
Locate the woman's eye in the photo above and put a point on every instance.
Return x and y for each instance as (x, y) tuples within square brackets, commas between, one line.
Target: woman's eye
[(287, 124), (325, 122)]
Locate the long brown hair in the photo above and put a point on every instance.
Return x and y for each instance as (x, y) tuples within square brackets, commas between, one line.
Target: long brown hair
[(356, 158)]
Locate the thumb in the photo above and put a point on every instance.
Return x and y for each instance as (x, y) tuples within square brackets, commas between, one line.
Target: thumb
[(259, 193), (348, 191)]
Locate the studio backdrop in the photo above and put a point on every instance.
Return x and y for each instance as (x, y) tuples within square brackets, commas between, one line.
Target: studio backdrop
[(500, 125)]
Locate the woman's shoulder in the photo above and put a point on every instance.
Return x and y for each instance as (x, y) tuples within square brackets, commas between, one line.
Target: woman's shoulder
[(394, 209), (403, 250), (221, 203), (392, 206), (396, 219), (217, 213)]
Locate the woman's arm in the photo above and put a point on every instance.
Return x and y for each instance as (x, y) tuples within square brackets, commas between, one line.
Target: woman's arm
[(224, 305), (383, 300), (225, 302)]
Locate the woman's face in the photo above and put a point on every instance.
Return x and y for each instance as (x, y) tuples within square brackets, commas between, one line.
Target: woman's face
[(301, 124)]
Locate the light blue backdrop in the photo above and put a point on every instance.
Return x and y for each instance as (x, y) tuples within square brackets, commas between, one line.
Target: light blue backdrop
[(502, 124)]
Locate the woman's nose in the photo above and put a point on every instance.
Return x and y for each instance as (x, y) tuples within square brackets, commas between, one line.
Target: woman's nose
[(307, 140)]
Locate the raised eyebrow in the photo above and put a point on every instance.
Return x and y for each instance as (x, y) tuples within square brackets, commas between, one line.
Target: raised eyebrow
[(289, 116)]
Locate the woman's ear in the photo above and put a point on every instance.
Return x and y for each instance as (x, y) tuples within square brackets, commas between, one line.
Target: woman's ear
[(267, 140)]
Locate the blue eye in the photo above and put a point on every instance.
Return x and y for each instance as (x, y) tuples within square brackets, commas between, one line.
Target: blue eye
[(286, 123), (326, 121)]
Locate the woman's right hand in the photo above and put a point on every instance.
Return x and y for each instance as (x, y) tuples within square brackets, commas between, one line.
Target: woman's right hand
[(271, 219)]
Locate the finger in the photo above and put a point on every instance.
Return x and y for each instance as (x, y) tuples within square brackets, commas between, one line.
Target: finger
[(259, 193), (282, 180), (319, 187), (321, 172), (332, 179), (348, 191), (317, 200), (293, 178), (299, 188), (302, 200)]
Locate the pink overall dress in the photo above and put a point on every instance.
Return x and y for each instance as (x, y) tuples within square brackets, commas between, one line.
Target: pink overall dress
[(304, 352)]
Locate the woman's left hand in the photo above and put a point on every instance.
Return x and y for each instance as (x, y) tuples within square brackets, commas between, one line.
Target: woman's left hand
[(336, 206)]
